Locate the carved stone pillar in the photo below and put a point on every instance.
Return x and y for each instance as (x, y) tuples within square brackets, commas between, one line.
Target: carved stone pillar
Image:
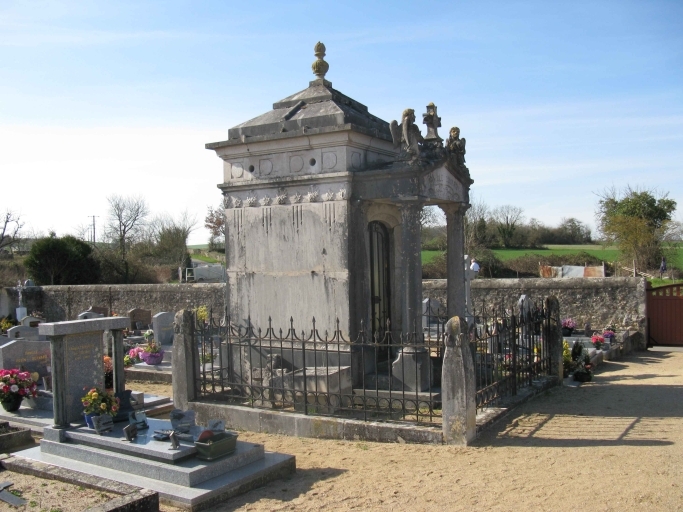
[(411, 280), (455, 228), (361, 292)]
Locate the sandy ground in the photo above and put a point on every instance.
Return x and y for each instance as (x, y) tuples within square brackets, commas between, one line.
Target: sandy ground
[(613, 444)]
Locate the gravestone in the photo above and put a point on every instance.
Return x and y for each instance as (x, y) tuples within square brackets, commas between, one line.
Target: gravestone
[(87, 315), (97, 309), (143, 316), (31, 355), (21, 331), (162, 324), (432, 310), (412, 370), (77, 362), (31, 321)]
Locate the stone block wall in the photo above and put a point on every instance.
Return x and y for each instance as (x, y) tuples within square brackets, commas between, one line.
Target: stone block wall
[(59, 303), (617, 300), (620, 300)]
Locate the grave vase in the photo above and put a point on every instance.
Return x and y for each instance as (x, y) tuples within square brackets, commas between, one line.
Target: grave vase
[(152, 359), (566, 331), (12, 403), (88, 418)]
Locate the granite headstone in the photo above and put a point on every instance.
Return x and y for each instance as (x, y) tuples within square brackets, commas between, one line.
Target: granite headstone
[(31, 355), (21, 331), (144, 316), (162, 324), (87, 315)]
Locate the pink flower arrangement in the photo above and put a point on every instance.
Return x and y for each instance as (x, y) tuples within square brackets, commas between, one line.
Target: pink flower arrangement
[(14, 382), (569, 323), (608, 334), (134, 354), (597, 340)]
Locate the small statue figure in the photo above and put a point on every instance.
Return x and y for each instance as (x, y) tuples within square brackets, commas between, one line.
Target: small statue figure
[(456, 145), (407, 135), (433, 122)]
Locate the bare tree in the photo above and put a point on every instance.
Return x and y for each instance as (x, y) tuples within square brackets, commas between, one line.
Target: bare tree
[(507, 218), (9, 230), (475, 223), (125, 224)]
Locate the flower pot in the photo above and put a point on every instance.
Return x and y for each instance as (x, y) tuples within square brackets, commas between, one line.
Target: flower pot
[(88, 418), (12, 403), (152, 359), (566, 331)]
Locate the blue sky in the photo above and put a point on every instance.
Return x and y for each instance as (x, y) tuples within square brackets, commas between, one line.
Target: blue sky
[(557, 100)]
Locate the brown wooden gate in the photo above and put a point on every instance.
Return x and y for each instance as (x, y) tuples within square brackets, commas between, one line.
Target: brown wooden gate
[(665, 314)]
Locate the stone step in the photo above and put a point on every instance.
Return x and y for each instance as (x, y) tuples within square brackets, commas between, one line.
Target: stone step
[(187, 473)]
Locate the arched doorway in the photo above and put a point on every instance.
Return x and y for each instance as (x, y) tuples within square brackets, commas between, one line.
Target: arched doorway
[(380, 277)]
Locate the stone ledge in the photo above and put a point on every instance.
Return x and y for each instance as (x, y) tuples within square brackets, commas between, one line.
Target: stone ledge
[(131, 499)]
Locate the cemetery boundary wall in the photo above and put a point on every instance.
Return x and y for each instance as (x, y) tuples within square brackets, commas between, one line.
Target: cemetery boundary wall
[(599, 300), (618, 300), (58, 303)]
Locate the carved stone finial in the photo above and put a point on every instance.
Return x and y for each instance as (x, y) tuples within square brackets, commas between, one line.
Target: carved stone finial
[(320, 67), (433, 122)]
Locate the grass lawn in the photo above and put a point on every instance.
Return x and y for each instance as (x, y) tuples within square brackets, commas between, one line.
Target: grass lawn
[(206, 259)]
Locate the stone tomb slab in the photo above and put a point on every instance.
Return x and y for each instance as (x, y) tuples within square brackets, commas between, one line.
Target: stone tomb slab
[(83, 367), (144, 445), (143, 458), (34, 356), (162, 324)]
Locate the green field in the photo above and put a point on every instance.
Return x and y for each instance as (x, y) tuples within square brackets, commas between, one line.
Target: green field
[(606, 254)]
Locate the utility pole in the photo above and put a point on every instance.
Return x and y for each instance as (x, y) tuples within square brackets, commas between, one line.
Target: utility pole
[(93, 227)]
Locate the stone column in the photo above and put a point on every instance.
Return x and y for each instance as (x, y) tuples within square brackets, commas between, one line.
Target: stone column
[(458, 386), (117, 360), (60, 409), (411, 255), (455, 258), (554, 333), (185, 360)]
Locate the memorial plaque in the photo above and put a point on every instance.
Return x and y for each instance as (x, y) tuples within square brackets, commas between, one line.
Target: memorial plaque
[(182, 421), (216, 426), (103, 423), (84, 368), (29, 355), (139, 418), (162, 324), (144, 316)]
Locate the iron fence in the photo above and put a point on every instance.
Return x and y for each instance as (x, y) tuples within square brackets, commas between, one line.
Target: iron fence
[(390, 376)]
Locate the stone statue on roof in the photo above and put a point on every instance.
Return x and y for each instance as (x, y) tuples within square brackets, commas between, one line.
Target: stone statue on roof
[(456, 145), (407, 135)]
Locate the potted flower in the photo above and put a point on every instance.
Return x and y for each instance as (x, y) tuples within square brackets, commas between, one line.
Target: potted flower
[(597, 341), (153, 353), (14, 386), (97, 402), (568, 326)]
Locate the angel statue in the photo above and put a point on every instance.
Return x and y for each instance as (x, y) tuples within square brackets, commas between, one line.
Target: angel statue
[(407, 135), (456, 145)]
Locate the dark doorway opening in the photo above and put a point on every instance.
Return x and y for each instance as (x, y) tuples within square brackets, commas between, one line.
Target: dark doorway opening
[(380, 290)]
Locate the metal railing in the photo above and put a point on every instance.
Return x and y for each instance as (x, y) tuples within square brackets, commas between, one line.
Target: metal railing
[(382, 377)]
